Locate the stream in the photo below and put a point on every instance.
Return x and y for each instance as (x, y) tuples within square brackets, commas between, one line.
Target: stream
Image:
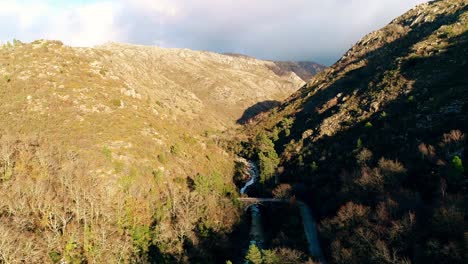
[(256, 228), (257, 235)]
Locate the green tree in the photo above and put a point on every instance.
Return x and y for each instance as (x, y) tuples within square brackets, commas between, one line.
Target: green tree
[(267, 156), (254, 255), (458, 164), (270, 257)]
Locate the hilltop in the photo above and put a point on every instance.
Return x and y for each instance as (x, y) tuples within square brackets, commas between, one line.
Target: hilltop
[(376, 143), (116, 152)]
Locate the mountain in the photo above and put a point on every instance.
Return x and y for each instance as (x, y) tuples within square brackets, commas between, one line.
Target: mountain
[(376, 143), (304, 69), (116, 152)]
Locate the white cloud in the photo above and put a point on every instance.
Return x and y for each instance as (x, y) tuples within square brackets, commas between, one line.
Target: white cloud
[(87, 25), (273, 29)]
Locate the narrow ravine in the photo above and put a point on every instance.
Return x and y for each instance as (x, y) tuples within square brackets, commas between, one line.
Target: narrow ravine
[(256, 228)]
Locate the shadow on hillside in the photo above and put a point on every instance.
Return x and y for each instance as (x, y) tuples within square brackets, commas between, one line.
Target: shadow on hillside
[(258, 108), (438, 104), (358, 81), (209, 246)]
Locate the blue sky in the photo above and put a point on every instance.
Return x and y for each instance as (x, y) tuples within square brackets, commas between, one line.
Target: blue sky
[(319, 30)]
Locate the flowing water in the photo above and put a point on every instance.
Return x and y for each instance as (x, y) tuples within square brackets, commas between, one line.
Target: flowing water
[(256, 227)]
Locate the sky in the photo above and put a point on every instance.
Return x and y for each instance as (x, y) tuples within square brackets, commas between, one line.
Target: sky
[(293, 30)]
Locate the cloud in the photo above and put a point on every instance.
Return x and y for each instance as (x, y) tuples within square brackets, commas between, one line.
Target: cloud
[(270, 29)]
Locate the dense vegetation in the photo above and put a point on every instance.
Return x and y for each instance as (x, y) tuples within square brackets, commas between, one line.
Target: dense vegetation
[(377, 144)]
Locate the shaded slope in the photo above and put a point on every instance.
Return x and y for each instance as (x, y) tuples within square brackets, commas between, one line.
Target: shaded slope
[(378, 141)]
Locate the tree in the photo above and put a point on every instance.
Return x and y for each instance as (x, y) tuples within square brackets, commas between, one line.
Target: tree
[(267, 156), (254, 255)]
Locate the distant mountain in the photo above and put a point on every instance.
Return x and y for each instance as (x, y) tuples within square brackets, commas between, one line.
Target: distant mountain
[(377, 143), (304, 69)]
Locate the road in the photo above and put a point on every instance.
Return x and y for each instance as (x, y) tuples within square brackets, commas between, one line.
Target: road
[(308, 221)]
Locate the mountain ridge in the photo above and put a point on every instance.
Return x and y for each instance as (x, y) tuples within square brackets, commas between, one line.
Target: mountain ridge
[(376, 143)]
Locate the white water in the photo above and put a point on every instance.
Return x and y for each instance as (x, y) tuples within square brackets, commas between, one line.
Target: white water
[(253, 171), (256, 228)]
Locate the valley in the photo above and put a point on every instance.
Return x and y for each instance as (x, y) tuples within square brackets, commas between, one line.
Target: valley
[(124, 153)]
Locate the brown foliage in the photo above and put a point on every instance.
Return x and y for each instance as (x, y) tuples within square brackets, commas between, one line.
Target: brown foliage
[(282, 191)]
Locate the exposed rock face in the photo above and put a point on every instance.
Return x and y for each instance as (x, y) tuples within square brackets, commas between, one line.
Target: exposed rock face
[(196, 82)]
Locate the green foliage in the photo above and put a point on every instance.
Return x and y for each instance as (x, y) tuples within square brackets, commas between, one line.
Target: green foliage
[(287, 122), (116, 102), (286, 125), (7, 78), (72, 252), (359, 143), (314, 166), (275, 134), (411, 99), (270, 257), (162, 158), (175, 149), (254, 255), (55, 256), (17, 42), (141, 236), (268, 163), (107, 152), (206, 185), (158, 175), (383, 114), (368, 125), (267, 156), (457, 164), (7, 172)]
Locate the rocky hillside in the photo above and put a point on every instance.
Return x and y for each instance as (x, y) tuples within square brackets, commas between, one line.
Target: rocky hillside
[(377, 142), (304, 69), (113, 152)]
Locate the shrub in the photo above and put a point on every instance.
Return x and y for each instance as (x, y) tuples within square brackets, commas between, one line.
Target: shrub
[(359, 143), (392, 171), (314, 167), (282, 191), (175, 149), (254, 255), (7, 78), (107, 152), (364, 156), (116, 102), (457, 164), (206, 185), (162, 158)]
